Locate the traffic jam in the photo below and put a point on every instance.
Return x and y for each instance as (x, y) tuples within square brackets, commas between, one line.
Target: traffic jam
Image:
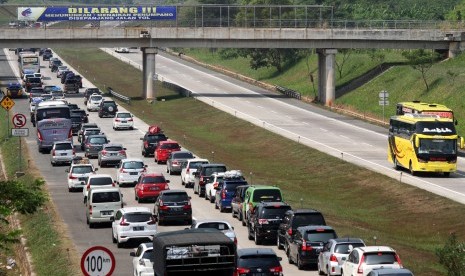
[(170, 210)]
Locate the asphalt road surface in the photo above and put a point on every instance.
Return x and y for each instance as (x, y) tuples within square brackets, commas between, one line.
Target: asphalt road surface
[(70, 205)]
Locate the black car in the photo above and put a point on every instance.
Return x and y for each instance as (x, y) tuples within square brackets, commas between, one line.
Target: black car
[(307, 244), (87, 132), (73, 106), (203, 174), (76, 122), (258, 261), (55, 64), (150, 141), (82, 113), (264, 221), (93, 144), (78, 78), (64, 74), (83, 127), (90, 91), (47, 54), (173, 205), (294, 219), (107, 108)]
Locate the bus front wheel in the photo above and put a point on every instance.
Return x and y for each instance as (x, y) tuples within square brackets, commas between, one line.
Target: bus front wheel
[(412, 172), (396, 164), (446, 174)]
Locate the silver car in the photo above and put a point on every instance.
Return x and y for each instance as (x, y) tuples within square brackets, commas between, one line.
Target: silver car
[(62, 152), (334, 254), (220, 225), (111, 153), (176, 159)]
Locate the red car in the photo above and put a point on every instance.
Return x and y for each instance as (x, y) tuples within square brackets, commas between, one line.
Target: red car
[(163, 150), (149, 186)]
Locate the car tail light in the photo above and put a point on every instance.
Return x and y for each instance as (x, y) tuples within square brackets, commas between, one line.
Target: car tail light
[(70, 134), (306, 247), (276, 269), (122, 152), (104, 152), (289, 231), (167, 187), (123, 223), (88, 187), (242, 270), (262, 221), (187, 170), (201, 180), (223, 195), (398, 260), (146, 144), (164, 208), (333, 258), (235, 240), (72, 177), (129, 120), (74, 151), (88, 145), (117, 120), (360, 268), (122, 170), (53, 152), (152, 221), (39, 136), (251, 209), (90, 209), (113, 184)]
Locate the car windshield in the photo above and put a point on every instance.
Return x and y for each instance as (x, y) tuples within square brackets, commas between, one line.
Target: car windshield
[(266, 195), (76, 119), (34, 80), (232, 186), (98, 140), (345, 248), (109, 104), (96, 98), (105, 197), (138, 217), (258, 260), (272, 212), (182, 155), (210, 170), (196, 165), (123, 115), (113, 148), (175, 197), (320, 236), (169, 146), (156, 137), (63, 146), (308, 219), (148, 255), (92, 131), (99, 181), (79, 112), (153, 179), (133, 165), (375, 258), (215, 225), (82, 169)]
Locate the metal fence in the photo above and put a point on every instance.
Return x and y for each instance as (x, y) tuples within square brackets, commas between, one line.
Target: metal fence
[(119, 96)]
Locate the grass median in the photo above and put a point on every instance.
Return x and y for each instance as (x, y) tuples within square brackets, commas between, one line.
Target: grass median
[(355, 201), (51, 250)]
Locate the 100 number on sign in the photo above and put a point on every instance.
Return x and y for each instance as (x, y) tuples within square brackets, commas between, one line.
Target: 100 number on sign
[(97, 260)]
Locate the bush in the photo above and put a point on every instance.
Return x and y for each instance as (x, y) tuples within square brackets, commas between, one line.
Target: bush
[(452, 256)]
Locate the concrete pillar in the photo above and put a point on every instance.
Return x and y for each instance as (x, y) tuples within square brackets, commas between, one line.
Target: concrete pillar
[(148, 71), (326, 76), (454, 49)]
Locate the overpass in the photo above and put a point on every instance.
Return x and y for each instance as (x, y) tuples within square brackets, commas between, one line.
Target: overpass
[(223, 26)]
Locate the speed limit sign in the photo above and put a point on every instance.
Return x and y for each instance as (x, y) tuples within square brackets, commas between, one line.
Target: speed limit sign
[(98, 261)]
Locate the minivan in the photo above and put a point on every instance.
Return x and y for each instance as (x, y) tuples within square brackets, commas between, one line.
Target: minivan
[(103, 204), (256, 194)]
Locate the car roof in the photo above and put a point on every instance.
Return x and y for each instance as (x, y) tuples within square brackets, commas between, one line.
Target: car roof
[(168, 142), (100, 175), (63, 142), (152, 174), (81, 165), (303, 211), (89, 124), (392, 271), (112, 145), (255, 251), (212, 165), (260, 187), (96, 135), (376, 248), (347, 240), (182, 151), (273, 203), (211, 220), (314, 227), (132, 160), (135, 209), (198, 160), (173, 191), (147, 245)]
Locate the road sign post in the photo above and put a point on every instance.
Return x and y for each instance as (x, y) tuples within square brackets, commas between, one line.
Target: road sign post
[(7, 103), (383, 100), (98, 261), (19, 120)]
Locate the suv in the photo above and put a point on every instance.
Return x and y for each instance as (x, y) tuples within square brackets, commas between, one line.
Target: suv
[(88, 132), (164, 149), (256, 194), (238, 199), (264, 222), (307, 244), (71, 85), (149, 186), (76, 122), (62, 152), (173, 205), (202, 176), (90, 91), (78, 174), (97, 180), (83, 127), (133, 223), (93, 144), (226, 189), (258, 261), (150, 141), (176, 159), (188, 169), (107, 108), (111, 154), (294, 219), (363, 260), (334, 253), (33, 82)]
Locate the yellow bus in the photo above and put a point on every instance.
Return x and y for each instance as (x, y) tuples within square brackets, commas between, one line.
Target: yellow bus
[(423, 143), (417, 107)]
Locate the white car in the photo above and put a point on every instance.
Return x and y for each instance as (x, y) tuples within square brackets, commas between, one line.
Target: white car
[(210, 187), (61, 69), (131, 223), (78, 174), (97, 180), (142, 260), (187, 177), (362, 260), (62, 152), (25, 76), (129, 171), (221, 225), (123, 120), (122, 50), (334, 253), (94, 102)]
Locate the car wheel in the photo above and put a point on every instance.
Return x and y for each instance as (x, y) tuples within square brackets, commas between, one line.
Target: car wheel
[(118, 244), (299, 264), (216, 206), (131, 128), (243, 221), (182, 182), (221, 209), (91, 225), (139, 200), (212, 199), (70, 189), (257, 239), (447, 174), (289, 258), (320, 272), (195, 191), (249, 235), (113, 236)]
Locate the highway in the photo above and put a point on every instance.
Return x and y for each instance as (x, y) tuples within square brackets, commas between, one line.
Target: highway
[(343, 137), (70, 205)]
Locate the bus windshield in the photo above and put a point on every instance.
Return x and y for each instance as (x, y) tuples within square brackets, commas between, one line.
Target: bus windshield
[(53, 112), (437, 146)]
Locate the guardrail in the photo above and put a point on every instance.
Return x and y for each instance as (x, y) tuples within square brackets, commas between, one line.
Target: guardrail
[(119, 96), (289, 92)]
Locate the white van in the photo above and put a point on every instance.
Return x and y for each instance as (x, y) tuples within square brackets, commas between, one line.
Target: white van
[(102, 204)]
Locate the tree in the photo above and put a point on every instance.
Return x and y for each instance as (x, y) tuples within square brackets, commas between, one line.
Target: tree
[(377, 56), (452, 256), (421, 60), (342, 61), (16, 196)]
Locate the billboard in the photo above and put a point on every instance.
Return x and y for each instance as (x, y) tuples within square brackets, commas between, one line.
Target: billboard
[(109, 13)]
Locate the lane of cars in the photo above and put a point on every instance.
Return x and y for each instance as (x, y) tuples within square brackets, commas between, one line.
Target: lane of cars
[(229, 190)]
